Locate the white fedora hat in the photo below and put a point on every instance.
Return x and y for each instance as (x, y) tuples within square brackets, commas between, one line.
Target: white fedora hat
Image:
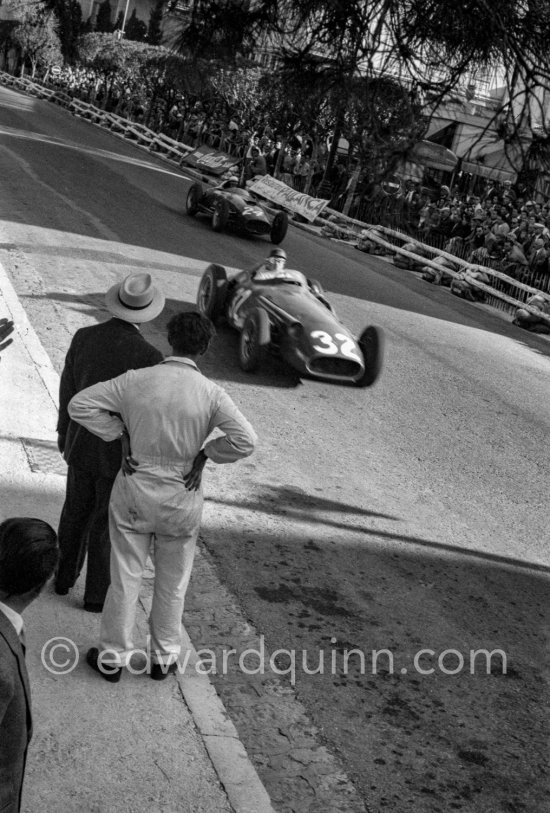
[(135, 299)]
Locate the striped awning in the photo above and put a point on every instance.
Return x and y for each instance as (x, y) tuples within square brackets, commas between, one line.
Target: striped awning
[(435, 156)]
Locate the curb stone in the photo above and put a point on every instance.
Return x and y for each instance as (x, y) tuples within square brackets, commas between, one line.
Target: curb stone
[(236, 773)]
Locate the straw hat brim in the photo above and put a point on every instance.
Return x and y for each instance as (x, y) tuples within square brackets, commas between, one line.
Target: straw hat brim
[(120, 311)]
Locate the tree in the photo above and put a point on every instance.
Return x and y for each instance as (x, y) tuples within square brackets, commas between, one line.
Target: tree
[(423, 45), (6, 40), (135, 29), (223, 29), (36, 37), (69, 16), (118, 22), (154, 31), (103, 24), (240, 91), (131, 69)]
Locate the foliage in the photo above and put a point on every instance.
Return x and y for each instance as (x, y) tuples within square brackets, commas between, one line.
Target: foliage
[(240, 91), (109, 56), (103, 22), (69, 15), (35, 35), (136, 29), (382, 121), (222, 29), (154, 30), (135, 70)]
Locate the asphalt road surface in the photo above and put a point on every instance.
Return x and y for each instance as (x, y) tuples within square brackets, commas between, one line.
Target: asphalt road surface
[(409, 516)]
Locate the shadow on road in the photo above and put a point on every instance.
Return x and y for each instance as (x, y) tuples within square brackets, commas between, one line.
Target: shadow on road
[(429, 724), (296, 505)]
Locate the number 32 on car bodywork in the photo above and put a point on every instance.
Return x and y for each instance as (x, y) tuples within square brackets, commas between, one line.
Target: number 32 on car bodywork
[(332, 346)]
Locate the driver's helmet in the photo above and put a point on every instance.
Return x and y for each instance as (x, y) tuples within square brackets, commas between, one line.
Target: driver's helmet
[(276, 260), (229, 179), (273, 266)]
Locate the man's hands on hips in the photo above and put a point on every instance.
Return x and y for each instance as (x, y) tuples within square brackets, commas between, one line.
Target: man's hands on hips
[(128, 464), (192, 480)]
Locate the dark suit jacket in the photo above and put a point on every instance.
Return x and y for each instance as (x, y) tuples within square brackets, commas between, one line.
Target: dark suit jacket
[(98, 353), (15, 717)]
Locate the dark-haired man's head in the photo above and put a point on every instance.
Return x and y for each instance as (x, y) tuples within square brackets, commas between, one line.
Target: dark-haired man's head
[(28, 558), (189, 334)]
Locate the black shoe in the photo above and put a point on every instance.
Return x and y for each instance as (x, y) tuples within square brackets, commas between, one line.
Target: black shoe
[(93, 606), (110, 673), (61, 591), (161, 672)]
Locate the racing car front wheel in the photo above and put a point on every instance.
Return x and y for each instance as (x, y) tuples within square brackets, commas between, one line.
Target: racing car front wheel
[(371, 342), (279, 227), (212, 292), (254, 340), (193, 197), (220, 215)]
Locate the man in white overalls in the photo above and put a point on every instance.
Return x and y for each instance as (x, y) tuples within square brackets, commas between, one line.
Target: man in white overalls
[(168, 411)]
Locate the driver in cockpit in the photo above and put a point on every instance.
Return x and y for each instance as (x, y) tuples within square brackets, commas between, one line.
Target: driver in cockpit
[(230, 182), (274, 268)]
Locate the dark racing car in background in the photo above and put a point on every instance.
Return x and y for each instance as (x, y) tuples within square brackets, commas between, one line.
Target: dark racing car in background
[(290, 316), (230, 206)]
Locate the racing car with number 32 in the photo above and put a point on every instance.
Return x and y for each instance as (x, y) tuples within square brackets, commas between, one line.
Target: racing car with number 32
[(230, 206), (290, 316)]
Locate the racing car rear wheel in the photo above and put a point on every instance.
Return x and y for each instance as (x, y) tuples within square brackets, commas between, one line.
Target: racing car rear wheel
[(371, 342), (212, 292), (279, 227), (220, 215), (193, 197), (254, 340)]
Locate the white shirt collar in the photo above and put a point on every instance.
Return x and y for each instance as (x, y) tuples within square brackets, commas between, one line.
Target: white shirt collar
[(14, 617), (181, 360)]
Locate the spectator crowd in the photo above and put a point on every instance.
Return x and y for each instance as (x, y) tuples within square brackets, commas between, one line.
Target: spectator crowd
[(262, 148), (497, 228)]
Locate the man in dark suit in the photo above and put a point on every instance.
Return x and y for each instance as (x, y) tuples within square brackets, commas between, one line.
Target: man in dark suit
[(28, 556), (98, 353)]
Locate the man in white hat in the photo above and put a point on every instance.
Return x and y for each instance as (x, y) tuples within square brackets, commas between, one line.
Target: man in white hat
[(98, 353)]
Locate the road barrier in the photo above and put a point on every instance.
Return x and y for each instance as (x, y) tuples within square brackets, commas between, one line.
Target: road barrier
[(141, 135), (505, 293)]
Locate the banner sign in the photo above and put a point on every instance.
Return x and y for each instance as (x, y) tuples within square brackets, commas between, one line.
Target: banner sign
[(278, 192), (208, 160)]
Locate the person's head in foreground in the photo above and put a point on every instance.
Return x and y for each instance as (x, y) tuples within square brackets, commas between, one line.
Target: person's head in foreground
[(189, 334), (28, 558)]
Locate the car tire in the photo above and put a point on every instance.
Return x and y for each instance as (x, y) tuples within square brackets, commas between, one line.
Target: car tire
[(212, 292), (220, 215), (371, 342), (194, 196), (254, 340), (279, 228)]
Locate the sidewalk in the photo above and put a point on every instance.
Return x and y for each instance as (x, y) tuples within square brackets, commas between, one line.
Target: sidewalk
[(97, 747)]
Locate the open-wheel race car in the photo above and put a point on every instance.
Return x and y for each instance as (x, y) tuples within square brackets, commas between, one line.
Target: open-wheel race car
[(230, 206), (287, 314)]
